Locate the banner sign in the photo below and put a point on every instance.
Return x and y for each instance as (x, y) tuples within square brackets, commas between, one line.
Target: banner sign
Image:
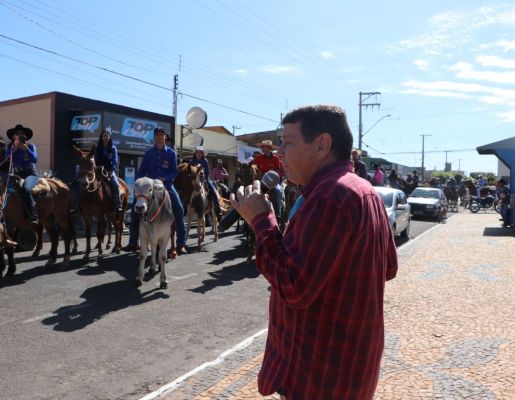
[(130, 178), (129, 134)]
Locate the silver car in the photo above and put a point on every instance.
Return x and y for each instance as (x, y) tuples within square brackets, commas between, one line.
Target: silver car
[(398, 210)]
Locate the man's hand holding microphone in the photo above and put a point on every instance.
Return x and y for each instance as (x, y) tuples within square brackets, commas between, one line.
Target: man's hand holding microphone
[(250, 201)]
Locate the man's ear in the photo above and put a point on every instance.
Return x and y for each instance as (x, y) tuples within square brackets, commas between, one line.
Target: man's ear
[(323, 145)]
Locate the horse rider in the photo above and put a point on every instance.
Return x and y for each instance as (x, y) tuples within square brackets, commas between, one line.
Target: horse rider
[(378, 177), (160, 162), (220, 174), (199, 158), (482, 182), (106, 155), (415, 179), (269, 161), (394, 181), (4, 161), (24, 158)]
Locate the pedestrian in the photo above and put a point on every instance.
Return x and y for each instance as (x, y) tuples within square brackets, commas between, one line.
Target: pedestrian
[(327, 270), (378, 177), (220, 174), (360, 168), (160, 162)]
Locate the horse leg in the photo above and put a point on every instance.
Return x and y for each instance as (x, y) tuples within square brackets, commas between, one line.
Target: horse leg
[(163, 283), (101, 223), (62, 222), (109, 231), (200, 231), (87, 223), (2, 263), (153, 255), (214, 228), (10, 261), (143, 251), (118, 230), (39, 244), (172, 253), (50, 227)]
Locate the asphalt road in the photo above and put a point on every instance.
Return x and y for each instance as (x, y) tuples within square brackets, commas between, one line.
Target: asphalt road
[(87, 333)]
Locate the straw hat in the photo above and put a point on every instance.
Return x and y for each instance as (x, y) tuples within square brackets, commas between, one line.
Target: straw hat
[(267, 143)]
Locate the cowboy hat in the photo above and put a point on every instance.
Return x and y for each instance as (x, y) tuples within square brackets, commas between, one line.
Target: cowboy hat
[(19, 128), (201, 148), (267, 143)]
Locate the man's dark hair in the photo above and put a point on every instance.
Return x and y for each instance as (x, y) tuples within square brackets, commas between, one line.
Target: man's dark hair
[(317, 119)]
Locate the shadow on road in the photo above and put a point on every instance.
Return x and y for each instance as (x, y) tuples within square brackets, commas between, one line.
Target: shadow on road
[(100, 301), (498, 231), (227, 276)]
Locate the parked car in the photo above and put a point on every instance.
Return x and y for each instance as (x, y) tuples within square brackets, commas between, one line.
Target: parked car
[(428, 202), (397, 208)]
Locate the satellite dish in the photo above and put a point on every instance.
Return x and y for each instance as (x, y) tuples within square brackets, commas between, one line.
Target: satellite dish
[(196, 117)]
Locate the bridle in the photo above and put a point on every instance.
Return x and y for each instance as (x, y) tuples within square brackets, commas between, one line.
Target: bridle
[(148, 199)]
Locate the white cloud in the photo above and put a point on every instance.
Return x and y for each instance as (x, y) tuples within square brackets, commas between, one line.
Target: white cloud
[(242, 72), (277, 69), (506, 45), (494, 61), (507, 116), (327, 54), (436, 93), (467, 71), (454, 30), (421, 64)]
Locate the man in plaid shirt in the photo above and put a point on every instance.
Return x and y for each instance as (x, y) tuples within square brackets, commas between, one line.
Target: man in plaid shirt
[(327, 270)]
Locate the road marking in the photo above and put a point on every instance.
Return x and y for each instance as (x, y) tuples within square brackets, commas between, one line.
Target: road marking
[(178, 278), (173, 385), (69, 309), (411, 241)]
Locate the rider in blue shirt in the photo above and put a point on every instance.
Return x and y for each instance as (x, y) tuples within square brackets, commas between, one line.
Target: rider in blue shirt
[(24, 159), (106, 155), (160, 162), (199, 158)]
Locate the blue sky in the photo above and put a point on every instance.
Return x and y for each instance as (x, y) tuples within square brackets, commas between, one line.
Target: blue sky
[(444, 68)]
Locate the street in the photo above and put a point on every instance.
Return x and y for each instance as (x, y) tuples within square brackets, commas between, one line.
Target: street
[(87, 333)]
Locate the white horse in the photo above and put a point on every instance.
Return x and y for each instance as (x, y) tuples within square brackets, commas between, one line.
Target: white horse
[(154, 208)]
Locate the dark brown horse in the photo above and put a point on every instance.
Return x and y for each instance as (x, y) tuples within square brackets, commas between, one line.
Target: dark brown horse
[(52, 200), (96, 199)]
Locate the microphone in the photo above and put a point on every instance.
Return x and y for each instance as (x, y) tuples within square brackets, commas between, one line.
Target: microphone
[(268, 182)]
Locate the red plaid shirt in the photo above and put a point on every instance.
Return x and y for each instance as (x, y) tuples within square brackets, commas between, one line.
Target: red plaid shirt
[(328, 273)]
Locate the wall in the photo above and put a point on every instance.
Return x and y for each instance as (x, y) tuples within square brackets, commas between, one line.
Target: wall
[(35, 113)]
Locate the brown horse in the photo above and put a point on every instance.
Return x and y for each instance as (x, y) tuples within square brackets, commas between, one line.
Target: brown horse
[(52, 200), (96, 199)]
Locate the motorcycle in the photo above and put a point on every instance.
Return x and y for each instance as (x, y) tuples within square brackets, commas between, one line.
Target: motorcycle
[(477, 203)]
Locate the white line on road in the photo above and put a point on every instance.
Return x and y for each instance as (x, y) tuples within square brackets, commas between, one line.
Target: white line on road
[(178, 278), (69, 309), (173, 385), (411, 241)]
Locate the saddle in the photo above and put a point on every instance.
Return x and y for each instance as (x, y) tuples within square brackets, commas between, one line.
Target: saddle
[(47, 188)]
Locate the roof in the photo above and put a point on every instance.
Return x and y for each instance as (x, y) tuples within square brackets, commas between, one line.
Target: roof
[(506, 144), (218, 129)]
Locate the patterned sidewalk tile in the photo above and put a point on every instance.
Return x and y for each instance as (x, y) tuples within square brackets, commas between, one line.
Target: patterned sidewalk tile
[(449, 319)]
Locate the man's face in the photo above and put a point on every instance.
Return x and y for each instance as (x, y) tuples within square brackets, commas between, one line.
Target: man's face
[(159, 139), (354, 156), (297, 156)]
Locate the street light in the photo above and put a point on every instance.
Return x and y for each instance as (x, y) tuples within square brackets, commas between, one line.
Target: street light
[(375, 123)]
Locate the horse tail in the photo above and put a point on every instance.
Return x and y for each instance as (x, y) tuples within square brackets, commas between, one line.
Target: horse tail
[(225, 204)]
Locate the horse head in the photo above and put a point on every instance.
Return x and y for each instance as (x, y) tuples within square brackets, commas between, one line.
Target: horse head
[(200, 181), (143, 193), (185, 181), (249, 173), (87, 167)]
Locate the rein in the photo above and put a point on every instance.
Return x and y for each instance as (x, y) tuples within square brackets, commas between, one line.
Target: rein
[(158, 210), (91, 181)]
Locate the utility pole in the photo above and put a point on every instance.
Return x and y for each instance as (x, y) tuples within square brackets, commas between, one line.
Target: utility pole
[(363, 97), (423, 139), (175, 88), (234, 127)]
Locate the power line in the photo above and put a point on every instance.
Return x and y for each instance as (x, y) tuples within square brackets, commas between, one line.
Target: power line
[(209, 71), (135, 79)]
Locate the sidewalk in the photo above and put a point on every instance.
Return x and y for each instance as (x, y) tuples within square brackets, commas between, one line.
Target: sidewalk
[(449, 319)]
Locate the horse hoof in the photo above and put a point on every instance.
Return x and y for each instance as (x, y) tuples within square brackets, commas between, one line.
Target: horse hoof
[(86, 257), (138, 283), (74, 250), (51, 261), (66, 261), (163, 285), (35, 253), (108, 247)]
